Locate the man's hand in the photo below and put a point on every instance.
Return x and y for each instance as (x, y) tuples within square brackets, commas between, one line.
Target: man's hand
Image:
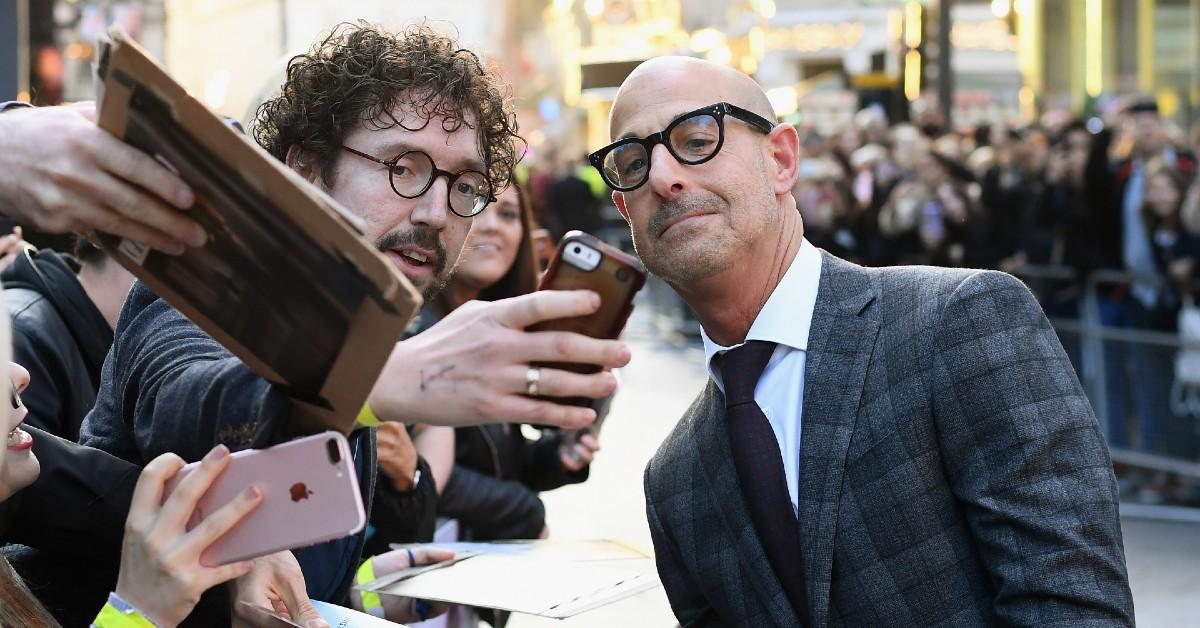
[(397, 455), (274, 582), (61, 172), (471, 367), (581, 455), (161, 574), (403, 609)]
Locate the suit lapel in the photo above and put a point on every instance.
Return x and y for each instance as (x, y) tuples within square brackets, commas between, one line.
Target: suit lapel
[(716, 457), (839, 348)]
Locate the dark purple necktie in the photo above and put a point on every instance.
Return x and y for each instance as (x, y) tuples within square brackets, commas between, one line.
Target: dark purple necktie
[(760, 468)]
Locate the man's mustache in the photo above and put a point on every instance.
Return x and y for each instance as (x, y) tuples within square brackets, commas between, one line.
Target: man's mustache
[(419, 237), (677, 207)]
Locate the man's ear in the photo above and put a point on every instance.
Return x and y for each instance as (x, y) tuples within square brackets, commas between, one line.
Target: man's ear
[(785, 152), (304, 163), (619, 201)]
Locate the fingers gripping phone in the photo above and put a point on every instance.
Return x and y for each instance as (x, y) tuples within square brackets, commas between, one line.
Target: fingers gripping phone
[(310, 495), (582, 262)]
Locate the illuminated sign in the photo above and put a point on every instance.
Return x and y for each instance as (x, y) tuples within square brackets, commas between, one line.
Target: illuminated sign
[(814, 37)]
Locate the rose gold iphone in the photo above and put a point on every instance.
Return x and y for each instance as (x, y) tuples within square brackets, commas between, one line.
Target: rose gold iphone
[(310, 495)]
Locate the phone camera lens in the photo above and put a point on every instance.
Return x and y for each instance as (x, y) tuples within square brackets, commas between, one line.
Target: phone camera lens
[(576, 250), (333, 451), (622, 274)]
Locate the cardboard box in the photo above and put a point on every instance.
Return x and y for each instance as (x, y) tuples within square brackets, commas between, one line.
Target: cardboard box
[(286, 281)]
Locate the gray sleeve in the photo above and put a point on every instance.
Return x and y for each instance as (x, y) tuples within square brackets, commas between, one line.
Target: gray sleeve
[(1025, 457), (169, 387)]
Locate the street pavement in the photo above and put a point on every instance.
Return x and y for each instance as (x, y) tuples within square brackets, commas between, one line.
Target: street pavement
[(659, 384)]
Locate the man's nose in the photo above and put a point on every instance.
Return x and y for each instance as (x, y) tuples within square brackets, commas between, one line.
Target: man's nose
[(666, 177), (433, 208)]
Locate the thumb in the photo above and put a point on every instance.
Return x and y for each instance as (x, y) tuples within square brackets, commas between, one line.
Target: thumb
[(309, 616), (291, 589)]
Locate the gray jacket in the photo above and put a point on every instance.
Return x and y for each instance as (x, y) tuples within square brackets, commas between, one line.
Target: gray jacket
[(952, 471)]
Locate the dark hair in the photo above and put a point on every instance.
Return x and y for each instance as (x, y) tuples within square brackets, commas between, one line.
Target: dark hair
[(522, 276), (88, 253), (18, 607), (360, 73), (1155, 168)]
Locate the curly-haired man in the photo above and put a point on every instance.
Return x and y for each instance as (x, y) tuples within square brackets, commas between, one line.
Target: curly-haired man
[(414, 135)]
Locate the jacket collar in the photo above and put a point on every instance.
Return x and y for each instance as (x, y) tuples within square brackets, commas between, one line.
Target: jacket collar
[(54, 277)]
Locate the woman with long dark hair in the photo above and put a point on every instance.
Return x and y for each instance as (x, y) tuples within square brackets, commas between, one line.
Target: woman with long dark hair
[(497, 471)]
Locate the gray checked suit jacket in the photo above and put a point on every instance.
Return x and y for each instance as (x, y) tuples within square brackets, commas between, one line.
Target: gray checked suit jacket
[(952, 472)]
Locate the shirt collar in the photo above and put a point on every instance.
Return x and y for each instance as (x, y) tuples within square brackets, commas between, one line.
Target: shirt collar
[(787, 315)]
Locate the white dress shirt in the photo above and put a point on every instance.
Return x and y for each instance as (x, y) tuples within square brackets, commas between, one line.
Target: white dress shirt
[(784, 319)]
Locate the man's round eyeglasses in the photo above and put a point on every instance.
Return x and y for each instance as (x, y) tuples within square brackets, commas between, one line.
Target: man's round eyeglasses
[(413, 172), (693, 138)]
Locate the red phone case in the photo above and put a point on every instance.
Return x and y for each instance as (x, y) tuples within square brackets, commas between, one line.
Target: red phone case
[(617, 278)]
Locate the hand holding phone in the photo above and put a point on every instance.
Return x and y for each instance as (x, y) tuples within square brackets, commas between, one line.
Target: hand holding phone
[(583, 262), (161, 571), (309, 492)]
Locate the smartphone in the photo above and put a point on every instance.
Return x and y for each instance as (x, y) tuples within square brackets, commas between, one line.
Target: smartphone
[(310, 495), (583, 261)]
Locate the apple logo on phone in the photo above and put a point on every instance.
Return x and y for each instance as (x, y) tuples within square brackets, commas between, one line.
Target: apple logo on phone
[(299, 491)]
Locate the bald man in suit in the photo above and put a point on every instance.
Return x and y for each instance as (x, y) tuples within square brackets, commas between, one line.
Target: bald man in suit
[(876, 447)]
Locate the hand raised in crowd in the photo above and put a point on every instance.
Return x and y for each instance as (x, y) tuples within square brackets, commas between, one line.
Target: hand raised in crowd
[(161, 573), (274, 582), (60, 172), (403, 609), (581, 454), (11, 246), (397, 455), (473, 367)]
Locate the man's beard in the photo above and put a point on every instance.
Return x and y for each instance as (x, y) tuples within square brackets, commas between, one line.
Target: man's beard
[(429, 240)]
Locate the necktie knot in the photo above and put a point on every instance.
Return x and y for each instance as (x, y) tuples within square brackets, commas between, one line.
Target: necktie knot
[(741, 368)]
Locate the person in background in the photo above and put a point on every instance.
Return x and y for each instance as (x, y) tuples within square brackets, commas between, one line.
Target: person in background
[(492, 490), (571, 201), (498, 472), (1175, 253), (64, 309), (161, 577), (60, 172)]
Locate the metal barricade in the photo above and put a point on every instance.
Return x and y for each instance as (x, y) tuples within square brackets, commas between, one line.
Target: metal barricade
[(1127, 370)]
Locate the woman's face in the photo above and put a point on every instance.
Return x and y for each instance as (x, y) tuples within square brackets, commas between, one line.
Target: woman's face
[(18, 466), (492, 246), (1161, 195)]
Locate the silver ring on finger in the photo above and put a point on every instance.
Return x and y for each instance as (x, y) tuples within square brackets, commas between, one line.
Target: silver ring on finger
[(533, 377)]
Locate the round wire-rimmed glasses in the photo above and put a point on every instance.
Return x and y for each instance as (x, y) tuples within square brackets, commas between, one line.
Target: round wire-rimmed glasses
[(412, 173), (692, 139)]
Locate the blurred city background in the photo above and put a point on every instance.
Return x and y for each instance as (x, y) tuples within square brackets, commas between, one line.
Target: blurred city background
[(1053, 139)]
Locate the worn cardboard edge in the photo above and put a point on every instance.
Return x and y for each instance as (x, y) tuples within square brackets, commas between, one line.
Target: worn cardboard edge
[(384, 316)]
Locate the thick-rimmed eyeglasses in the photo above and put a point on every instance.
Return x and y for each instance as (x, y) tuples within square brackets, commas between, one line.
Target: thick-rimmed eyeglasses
[(693, 138), (413, 172)]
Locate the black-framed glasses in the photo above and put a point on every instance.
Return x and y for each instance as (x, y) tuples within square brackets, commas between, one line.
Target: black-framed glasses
[(693, 138), (413, 172)]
